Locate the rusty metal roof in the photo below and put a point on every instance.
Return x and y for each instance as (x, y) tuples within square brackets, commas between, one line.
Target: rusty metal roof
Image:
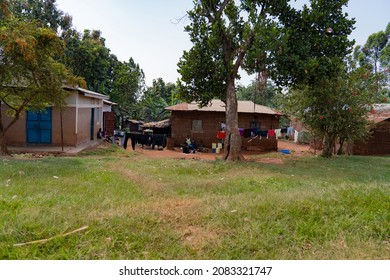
[(217, 105), (160, 124), (382, 113)]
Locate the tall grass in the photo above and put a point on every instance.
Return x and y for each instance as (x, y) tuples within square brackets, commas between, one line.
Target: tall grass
[(140, 208)]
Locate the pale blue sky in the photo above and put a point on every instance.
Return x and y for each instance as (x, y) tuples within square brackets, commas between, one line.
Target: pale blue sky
[(149, 30)]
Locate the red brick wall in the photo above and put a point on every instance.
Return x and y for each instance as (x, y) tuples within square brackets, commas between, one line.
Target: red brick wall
[(109, 122), (182, 126), (378, 143)]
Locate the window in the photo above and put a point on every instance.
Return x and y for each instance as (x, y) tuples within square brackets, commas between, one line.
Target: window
[(197, 126)]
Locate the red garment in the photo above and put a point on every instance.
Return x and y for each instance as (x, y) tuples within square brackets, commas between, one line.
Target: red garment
[(271, 133), (221, 134)]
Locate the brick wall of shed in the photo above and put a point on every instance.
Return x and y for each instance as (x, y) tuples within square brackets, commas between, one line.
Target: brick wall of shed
[(182, 126), (378, 143)]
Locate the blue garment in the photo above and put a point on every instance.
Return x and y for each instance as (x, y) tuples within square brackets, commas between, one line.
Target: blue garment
[(263, 133), (290, 131)]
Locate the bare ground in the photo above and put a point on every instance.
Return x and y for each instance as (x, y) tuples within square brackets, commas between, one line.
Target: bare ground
[(296, 150)]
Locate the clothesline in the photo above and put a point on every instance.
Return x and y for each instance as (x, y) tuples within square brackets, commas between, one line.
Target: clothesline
[(252, 132)]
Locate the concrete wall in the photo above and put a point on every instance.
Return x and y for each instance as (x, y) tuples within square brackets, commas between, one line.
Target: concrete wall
[(16, 135), (68, 127), (76, 122)]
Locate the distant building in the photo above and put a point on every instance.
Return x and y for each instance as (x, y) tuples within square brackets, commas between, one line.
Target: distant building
[(203, 124), (379, 141)]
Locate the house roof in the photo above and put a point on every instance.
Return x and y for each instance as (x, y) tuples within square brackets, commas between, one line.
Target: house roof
[(134, 121), (382, 113), (88, 93), (217, 105), (108, 102), (160, 124)]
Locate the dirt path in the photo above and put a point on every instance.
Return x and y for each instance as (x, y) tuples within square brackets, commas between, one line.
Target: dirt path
[(296, 149)]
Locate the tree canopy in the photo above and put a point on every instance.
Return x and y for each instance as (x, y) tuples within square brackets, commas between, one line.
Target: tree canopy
[(87, 55), (251, 92), (311, 61), (156, 98), (374, 55)]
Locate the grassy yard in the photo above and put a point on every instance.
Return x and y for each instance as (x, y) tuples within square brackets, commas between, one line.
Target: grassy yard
[(142, 208)]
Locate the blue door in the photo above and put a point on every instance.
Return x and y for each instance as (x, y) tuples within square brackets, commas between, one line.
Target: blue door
[(39, 127)]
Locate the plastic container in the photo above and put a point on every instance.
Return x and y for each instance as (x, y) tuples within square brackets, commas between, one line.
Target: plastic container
[(285, 152)]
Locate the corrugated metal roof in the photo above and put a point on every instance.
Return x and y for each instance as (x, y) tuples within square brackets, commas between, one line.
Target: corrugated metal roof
[(382, 113), (160, 124), (88, 93), (217, 105)]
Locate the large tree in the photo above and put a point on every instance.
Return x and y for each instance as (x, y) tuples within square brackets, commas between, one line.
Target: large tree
[(334, 109), (155, 99), (44, 12), (375, 56), (128, 82), (312, 56), (30, 77), (227, 35), (87, 55)]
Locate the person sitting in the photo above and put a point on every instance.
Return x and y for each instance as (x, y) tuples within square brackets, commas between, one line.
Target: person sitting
[(100, 134), (190, 144)]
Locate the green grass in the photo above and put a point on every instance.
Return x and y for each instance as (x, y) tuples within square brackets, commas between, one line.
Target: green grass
[(140, 208)]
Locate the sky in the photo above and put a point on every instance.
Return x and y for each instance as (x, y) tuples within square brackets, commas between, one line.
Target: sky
[(152, 31)]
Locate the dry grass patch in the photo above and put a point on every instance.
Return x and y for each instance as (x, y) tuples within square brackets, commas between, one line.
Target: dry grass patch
[(186, 216)]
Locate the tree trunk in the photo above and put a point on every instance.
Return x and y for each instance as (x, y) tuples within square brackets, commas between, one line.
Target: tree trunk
[(340, 150), (3, 143), (329, 143), (232, 151)]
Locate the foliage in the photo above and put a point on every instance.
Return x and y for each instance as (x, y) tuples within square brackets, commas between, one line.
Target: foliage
[(337, 109), (43, 12), (155, 99), (30, 77), (167, 91), (375, 56), (314, 44), (127, 85), (311, 59), (185, 209), (250, 92), (89, 58)]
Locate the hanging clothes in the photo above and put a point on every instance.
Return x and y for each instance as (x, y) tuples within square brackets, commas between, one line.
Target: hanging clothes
[(271, 133), (247, 133), (278, 133), (241, 131), (296, 136), (263, 133), (221, 134), (290, 131)]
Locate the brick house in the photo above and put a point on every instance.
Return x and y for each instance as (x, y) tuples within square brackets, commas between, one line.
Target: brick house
[(379, 141), (203, 124), (78, 124)]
